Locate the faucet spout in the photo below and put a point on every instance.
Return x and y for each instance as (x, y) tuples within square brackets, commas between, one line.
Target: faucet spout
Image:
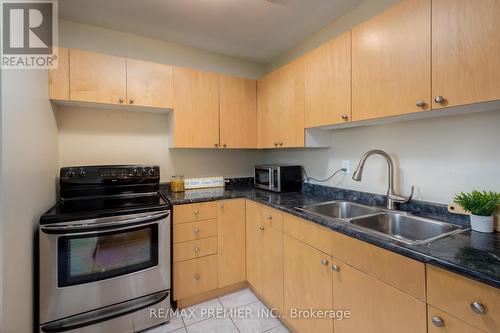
[(392, 197)]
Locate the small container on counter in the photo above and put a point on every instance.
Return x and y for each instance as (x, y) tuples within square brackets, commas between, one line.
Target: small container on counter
[(177, 184)]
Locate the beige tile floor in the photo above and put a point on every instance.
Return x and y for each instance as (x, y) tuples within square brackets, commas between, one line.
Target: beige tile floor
[(230, 319)]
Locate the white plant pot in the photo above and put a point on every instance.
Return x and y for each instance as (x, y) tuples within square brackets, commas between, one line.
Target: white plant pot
[(481, 223)]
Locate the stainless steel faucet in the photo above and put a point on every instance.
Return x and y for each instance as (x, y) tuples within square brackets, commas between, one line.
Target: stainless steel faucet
[(392, 197)]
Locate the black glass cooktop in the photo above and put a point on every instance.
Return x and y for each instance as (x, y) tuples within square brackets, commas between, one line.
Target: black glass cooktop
[(101, 206)]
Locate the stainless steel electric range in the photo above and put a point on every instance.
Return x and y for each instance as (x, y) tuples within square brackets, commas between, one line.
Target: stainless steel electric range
[(104, 251)]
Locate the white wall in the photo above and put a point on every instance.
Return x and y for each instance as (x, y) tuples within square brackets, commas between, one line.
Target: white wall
[(440, 156), (29, 168), (95, 136)]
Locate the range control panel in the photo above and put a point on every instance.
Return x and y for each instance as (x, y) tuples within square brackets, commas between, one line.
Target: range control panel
[(106, 173)]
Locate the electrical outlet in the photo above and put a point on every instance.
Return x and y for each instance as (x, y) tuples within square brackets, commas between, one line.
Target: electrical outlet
[(346, 165)]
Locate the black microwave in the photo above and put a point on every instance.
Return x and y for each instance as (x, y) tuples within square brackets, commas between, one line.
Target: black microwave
[(278, 177)]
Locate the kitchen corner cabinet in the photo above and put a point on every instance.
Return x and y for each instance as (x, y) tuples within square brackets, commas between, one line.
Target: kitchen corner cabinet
[(328, 83), (97, 77), (149, 84), (391, 62), (59, 78), (280, 107), (264, 244), (307, 285), (253, 245), (196, 109), (238, 112), (465, 48), (231, 232), (374, 305)]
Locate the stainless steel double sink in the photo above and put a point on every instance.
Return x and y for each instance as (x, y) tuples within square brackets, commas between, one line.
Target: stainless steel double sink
[(395, 225)]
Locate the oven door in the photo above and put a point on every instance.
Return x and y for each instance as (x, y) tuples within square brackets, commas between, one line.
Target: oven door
[(90, 264), (264, 178)]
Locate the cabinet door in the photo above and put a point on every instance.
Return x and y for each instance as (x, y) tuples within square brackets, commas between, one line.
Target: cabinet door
[(291, 104), (465, 48), (196, 109), (374, 306), (59, 78), (449, 324), (328, 83), (253, 244), (231, 232), (391, 62), (272, 267), (307, 285), (149, 84), (268, 111), (97, 77), (238, 112)]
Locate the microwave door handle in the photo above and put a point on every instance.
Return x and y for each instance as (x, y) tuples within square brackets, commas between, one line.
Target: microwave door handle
[(271, 178), (77, 227)]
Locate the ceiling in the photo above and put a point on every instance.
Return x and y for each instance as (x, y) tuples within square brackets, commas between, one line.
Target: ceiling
[(255, 30)]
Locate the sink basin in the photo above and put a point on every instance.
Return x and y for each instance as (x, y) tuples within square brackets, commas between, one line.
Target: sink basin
[(404, 228), (340, 209)]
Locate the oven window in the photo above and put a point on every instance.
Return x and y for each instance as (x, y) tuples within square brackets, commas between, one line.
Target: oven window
[(89, 258), (262, 177)]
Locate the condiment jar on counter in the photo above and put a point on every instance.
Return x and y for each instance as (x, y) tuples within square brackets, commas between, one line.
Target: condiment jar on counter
[(177, 184)]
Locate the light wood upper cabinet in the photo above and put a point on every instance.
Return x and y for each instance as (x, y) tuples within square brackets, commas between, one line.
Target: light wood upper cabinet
[(328, 83), (149, 84), (97, 77), (292, 94), (59, 78), (272, 267), (253, 245), (267, 111), (231, 232), (196, 109), (374, 306), (307, 284), (391, 62), (238, 112), (280, 107), (465, 48)]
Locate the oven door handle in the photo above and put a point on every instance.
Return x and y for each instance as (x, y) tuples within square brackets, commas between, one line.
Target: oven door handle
[(95, 225)]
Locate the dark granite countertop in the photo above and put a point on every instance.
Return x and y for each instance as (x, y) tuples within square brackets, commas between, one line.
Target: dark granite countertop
[(471, 254)]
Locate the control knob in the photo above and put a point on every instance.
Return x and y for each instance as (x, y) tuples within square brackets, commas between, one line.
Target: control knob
[(82, 173), (70, 174), (135, 172), (151, 172)]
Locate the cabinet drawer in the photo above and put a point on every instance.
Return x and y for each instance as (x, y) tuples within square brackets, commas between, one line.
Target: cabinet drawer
[(194, 249), (195, 230), (195, 276), (455, 294), (272, 217), (195, 212), (450, 324), (396, 270), (315, 236)]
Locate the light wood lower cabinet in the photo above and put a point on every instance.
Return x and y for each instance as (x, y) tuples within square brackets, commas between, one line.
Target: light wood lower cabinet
[(471, 301), (195, 276), (441, 322), (307, 286), (231, 233), (254, 245), (272, 267), (374, 305)]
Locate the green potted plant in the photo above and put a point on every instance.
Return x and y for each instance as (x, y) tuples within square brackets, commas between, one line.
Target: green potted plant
[(482, 206)]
